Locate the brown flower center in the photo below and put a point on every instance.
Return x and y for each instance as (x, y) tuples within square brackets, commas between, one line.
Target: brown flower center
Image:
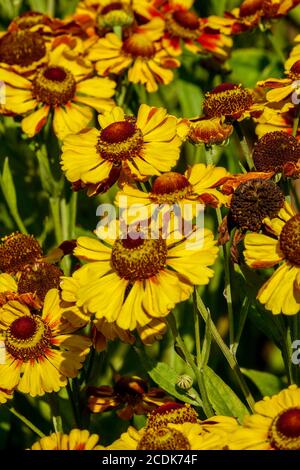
[(39, 279), (54, 86), (274, 150), (170, 188), (29, 19), (290, 240), (163, 439), (250, 7), (28, 338), (120, 141), (253, 201), (295, 71), (139, 45), (18, 251), (227, 100), (174, 413), (137, 258), (186, 19), (22, 48), (183, 24), (284, 432)]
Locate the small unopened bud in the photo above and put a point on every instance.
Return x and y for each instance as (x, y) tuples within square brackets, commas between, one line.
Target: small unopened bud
[(185, 382)]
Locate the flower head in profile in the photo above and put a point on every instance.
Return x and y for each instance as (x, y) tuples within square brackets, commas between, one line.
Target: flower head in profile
[(229, 101), (64, 86), (141, 54), (140, 146), (134, 279), (275, 424), (279, 246), (77, 439), (210, 132), (129, 395), (42, 351)]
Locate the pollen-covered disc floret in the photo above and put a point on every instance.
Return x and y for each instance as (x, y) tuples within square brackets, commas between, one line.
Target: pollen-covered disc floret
[(284, 432), (54, 86), (28, 337), (173, 413), (163, 439), (227, 100), (170, 188), (22, 48), (39, 278), (253, 201), (17, 251), (137, 259), (274, 150), (183, 23), (138, 45), (120, 141), (290, 240)]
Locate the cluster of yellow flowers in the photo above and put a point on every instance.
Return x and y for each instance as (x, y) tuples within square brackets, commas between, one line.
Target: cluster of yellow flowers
[(61, 72)]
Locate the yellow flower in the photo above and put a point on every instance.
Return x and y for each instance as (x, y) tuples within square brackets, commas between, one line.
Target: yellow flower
[(197, 186), (281, 293), (282, 89), (142, 54), (143, 146), (275, 425), (77, 439), (186, 436), (64, 86), (41, 351), (134, 280)]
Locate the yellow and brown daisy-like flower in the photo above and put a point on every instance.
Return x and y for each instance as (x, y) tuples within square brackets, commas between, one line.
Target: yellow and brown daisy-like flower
[(42, 352), (281, 293), (77, 439), (9, 291), (137, 279), (141, 53), (143, 146), (129, 395), (277, 152), (197, 186), (186, 436), (63, 86), (283, 89), (229, 101), (275, 425)]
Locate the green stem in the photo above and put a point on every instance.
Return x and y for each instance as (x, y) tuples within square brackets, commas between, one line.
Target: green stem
[(229, 356), (190, 361), (73, 403), (55, 413), (244, 145), (228, 291), (242, 320), (197, 333), (73, 214), (26, 421)]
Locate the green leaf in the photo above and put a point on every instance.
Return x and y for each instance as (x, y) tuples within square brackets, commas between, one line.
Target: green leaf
[(165, 377), (268, 384), (190, 98), (223, 400), (10, 9)]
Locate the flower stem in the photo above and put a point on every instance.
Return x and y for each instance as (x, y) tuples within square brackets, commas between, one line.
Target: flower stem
[(244, 145), (229, 356), (26, 421), (73, 404), (190, 361)]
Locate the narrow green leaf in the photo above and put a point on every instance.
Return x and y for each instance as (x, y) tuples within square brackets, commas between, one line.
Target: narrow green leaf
[(206, 342), (190, 98), (268, 384), (222, 398)]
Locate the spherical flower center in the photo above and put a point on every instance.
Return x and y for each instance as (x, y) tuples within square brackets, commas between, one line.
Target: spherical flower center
[(253, 201), (186, 19), (174, 413), (183, 24), (17, 251), (163, 439), (27, 338), (284, 432), (135, 258), (39, 279), (250, 7), (23, 328), (274, 150), (22, 48), (227, 100), (290, 240), (170, 188), (295, 71), (120, 141), (139, 45), (54, 86)]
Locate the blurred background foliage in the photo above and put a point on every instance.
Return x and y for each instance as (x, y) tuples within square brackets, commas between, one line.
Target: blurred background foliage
[(252, 59)]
